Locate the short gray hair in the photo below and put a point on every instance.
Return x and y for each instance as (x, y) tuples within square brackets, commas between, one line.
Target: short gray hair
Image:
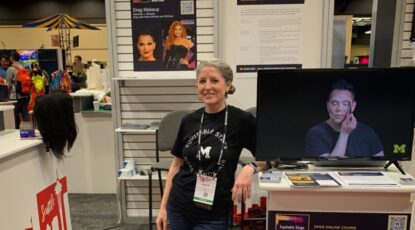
[(223, 67)]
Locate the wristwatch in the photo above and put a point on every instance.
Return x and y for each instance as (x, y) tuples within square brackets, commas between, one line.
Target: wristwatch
[(254, 166)]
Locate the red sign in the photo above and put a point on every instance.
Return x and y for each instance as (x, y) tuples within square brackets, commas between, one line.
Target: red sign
[(51, 206)]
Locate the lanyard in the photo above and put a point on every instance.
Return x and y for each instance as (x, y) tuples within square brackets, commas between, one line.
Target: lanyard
[(221, 162)]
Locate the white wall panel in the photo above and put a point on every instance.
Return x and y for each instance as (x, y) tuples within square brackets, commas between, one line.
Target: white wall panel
[(407, 49), (123, 49), (146, 101), (122, 6), (124, 32), (125, 23)]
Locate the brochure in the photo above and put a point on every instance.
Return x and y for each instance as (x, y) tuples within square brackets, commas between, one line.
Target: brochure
[(366, 178), (312, 180), (270, 176)]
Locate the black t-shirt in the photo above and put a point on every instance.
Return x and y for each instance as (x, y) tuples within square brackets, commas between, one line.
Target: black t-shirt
[(362, 142), (240, 134)]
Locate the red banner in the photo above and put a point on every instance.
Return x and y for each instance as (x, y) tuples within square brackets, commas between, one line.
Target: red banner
[(51, 206)]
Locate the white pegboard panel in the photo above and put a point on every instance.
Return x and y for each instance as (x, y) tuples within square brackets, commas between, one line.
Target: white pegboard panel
[(143, 100)]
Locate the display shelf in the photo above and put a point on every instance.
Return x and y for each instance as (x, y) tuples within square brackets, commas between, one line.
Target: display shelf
[(154, 78), (11, 143), (7, 102), (95, 112), (146, 131), (6, 107), (143, 177)]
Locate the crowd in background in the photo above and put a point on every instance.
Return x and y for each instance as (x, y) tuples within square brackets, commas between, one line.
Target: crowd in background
[(26, 82)]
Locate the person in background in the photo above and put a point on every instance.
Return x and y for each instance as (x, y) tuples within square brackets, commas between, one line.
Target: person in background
[(78, 66), (38, 85), (207, 149), (341, 135), (4, 65), (20, 107), (177, 48), (46, 76), (78, 75)]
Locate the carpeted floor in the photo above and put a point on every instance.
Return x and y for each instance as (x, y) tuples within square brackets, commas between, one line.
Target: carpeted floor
[(96, 211), (99, 212)]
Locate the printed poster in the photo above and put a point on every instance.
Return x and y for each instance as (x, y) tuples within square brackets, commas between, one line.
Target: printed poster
[(270, 35), (164, 35), (279, 220)]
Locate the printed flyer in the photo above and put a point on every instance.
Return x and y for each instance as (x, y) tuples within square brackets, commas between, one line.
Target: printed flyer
[(270, 35)]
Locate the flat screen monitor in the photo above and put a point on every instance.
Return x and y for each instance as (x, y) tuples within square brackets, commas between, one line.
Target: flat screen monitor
[(332, 114)]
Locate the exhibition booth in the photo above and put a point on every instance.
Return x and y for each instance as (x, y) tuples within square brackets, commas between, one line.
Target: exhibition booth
[(284, 72)]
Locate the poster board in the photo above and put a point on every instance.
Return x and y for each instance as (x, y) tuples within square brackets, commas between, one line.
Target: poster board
[(164, 35), (270, 35)]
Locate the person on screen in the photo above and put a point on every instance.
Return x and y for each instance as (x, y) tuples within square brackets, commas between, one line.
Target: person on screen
[(178, 54), (146, 45), (341, 135)]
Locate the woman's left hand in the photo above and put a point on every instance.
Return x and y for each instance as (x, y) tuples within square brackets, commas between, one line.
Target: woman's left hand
[(242, 188)]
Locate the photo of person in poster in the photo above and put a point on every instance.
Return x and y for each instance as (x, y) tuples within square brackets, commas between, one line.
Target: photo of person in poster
[(148, 53), (146, 44), (178, 53)]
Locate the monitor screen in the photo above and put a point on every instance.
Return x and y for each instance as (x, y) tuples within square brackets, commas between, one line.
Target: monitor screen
[(48, 59), (335, 113), (27, 57)]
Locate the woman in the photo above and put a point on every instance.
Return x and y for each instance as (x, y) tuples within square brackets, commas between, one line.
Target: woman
[(224, 131), (177, 48), (146, 46)]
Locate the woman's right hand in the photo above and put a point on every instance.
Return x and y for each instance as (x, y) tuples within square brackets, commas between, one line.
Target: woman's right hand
[(349, 124), (162, 219)]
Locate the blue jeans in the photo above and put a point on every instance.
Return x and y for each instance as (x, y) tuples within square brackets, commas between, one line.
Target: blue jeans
[(181, 222)]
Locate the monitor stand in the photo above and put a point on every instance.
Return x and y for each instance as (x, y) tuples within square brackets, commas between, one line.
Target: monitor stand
[(396, 165), (284, 164)]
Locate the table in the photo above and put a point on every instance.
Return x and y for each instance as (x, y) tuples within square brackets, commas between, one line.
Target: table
[(343, 207), (28, 176)]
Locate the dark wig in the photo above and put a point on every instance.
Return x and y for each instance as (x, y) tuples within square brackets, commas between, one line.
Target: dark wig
[(54, 117)]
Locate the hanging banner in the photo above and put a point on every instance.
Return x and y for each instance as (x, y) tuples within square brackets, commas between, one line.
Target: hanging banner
[(338, 221), (270, 35), (164, 35)]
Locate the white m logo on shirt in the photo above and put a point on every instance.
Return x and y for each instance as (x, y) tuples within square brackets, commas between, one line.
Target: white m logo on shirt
[(205, 152)]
